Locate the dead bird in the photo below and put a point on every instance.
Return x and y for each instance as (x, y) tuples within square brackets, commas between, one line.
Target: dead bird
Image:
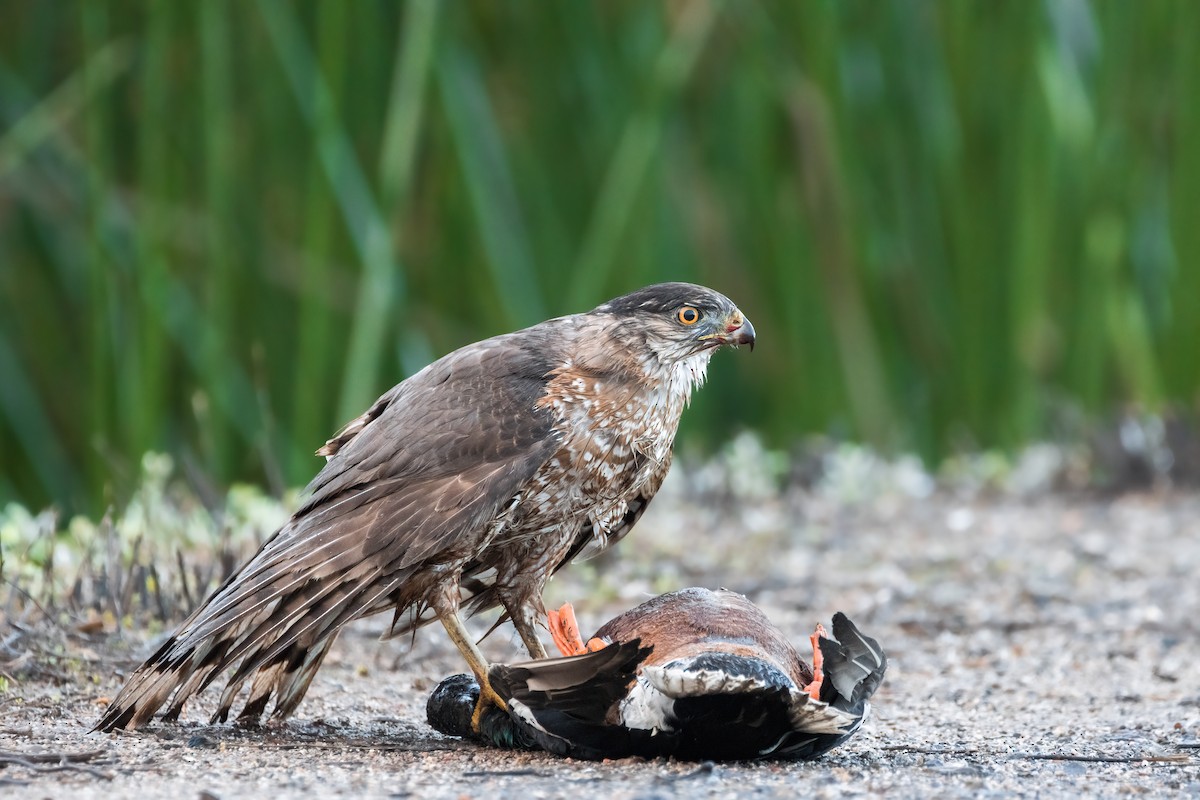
[(694, 674)]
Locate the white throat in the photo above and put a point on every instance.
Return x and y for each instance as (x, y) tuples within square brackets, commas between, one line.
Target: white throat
[(686, 376)]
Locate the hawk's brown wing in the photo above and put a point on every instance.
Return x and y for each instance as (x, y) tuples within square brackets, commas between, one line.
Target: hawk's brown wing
[(416, 486)]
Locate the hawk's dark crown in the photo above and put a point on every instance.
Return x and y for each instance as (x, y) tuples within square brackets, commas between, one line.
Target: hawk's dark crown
[(665, 298)]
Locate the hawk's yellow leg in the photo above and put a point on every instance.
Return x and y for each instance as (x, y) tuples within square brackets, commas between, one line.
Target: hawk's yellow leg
[(532, 643), (479, 666)]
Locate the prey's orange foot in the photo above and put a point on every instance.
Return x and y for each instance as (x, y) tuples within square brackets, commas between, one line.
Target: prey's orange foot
[(564, 629), (818, 663)]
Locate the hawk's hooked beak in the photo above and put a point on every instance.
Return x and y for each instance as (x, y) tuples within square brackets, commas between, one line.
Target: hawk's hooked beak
[(742, 334), (735, 330)]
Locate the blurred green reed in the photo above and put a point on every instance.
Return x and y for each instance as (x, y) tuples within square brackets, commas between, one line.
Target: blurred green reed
[(226, 226)]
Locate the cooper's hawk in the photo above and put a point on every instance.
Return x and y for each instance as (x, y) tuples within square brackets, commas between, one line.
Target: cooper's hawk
[(471, 482)]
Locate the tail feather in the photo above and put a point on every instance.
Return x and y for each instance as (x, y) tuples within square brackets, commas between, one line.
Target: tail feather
[(287, 678), (283, 571), (274, 622), (193, 683), (854, 664), (289, 665), (293, 684), (305, 617), (265, 681)]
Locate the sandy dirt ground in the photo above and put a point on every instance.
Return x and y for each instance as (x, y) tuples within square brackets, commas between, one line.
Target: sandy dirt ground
[(1040, 646)]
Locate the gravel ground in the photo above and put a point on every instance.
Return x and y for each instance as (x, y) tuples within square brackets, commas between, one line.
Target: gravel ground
[(1040, 645)]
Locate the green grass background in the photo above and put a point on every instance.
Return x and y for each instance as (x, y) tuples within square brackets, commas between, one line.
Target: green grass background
[(226, 226)]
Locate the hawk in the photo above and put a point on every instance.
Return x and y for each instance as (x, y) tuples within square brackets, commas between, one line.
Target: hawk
[(462, 488)]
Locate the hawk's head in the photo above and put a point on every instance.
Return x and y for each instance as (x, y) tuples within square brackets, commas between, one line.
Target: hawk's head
[(680, 320)]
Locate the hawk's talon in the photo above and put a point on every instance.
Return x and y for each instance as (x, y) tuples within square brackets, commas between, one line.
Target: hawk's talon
[(487, 698)]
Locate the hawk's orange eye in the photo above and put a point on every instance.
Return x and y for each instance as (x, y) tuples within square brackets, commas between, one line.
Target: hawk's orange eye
[(688, 315)]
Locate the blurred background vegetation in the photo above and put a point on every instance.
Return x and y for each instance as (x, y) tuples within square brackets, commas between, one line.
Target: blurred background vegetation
[(226, 226)]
